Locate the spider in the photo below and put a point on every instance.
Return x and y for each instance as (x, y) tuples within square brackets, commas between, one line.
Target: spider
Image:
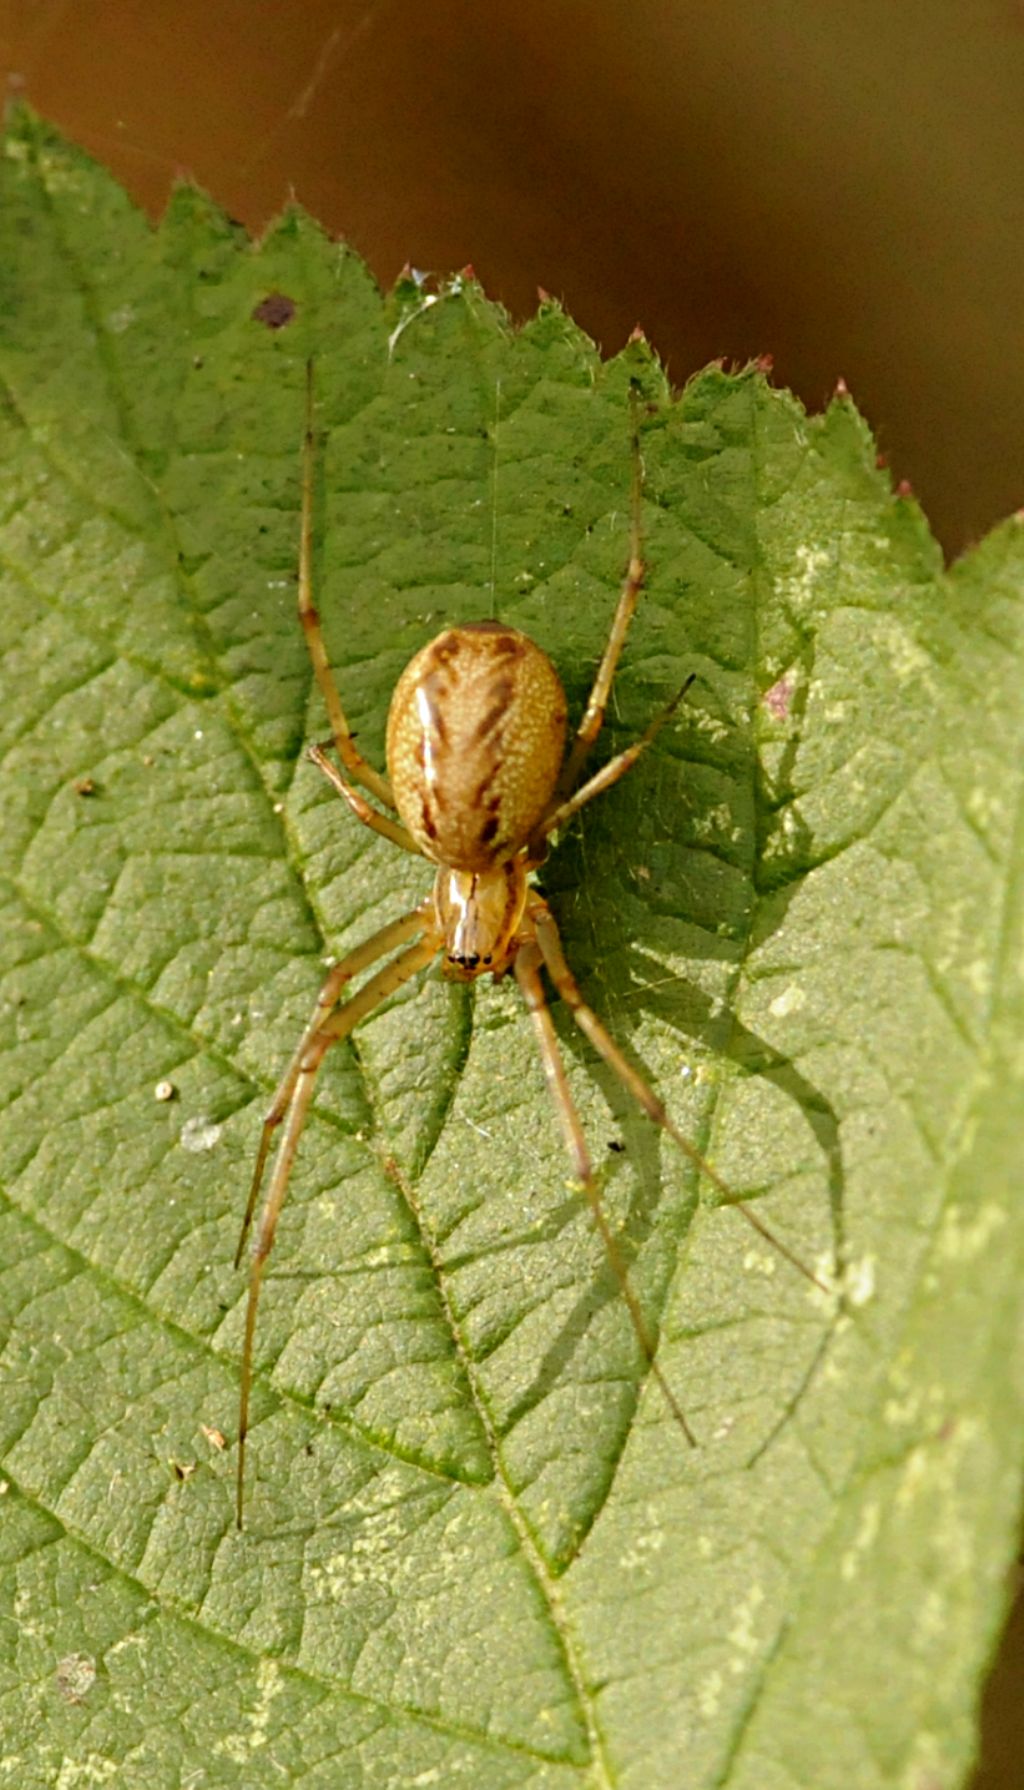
[(478, 781)]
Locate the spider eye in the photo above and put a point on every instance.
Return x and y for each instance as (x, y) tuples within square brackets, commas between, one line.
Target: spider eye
[(487, 959)]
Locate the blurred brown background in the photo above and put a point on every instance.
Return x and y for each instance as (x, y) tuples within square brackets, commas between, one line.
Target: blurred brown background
[(837, 184)]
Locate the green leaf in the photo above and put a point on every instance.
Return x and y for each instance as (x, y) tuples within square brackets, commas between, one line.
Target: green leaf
[(478, 1550)]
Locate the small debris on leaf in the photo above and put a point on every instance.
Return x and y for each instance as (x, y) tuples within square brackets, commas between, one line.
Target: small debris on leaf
[(76, 1675), (275, 310)]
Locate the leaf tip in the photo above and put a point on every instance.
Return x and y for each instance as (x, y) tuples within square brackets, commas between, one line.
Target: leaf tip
[(641, 362)]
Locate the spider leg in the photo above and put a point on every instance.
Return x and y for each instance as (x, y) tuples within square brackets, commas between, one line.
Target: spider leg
[(527, 968), (293, 1098), (611, 772), (632, 584), (588, 1022), (351, 758), (381, 823), (350, 965)]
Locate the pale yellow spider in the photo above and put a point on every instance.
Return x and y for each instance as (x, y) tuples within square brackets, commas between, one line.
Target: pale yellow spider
[(479, 780)]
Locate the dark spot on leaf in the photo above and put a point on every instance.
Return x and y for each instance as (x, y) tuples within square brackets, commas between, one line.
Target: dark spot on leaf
[(614, 1144), (275, 310)]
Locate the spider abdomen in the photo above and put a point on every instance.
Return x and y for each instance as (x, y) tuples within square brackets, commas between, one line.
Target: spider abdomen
[(475, 738)]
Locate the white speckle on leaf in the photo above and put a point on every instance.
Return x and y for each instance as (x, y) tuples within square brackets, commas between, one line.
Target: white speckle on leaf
[(789, 1001), (92, 1768), (199, 1134), (900, 1413), (644, 1548), (743, 1633), (863, 1541), (709, 1694), (713, 726), (964, 1235), (60, 176), (860, 1280), (907, 659), (810, 563), (121, 319), (713, 822), (978, 976), (915, 1476), (369, 1560), (987, 807), (269, 1684), (758, 1262)]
